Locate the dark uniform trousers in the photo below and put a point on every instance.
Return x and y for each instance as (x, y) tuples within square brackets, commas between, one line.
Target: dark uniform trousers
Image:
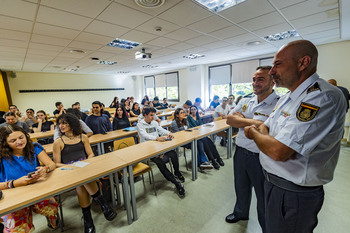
[(248, 173), (291, 208), (160, 162)]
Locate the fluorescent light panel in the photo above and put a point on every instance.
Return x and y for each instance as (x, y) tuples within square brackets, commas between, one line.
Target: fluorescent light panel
[(193, 56), (218, 5), (124, 44), (107, 62), (281, 36)]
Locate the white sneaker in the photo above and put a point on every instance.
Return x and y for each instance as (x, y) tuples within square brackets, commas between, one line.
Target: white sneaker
[(206, 165)]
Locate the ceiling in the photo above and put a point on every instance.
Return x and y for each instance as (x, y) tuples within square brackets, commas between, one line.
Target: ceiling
[(37, 36)]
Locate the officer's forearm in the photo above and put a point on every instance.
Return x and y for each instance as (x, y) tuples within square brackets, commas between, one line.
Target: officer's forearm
[(270, 146), (240, 122)]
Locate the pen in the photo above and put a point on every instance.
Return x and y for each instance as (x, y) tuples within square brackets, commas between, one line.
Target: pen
[(66, 168)]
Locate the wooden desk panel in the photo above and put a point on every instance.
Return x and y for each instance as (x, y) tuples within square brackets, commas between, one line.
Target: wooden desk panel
[(42, 134)]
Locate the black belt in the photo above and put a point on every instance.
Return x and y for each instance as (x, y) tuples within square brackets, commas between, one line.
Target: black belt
[(288, 185), (248, 152)]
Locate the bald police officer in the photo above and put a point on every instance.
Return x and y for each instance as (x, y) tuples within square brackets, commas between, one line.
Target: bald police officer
[(300, 142), (247, 169)]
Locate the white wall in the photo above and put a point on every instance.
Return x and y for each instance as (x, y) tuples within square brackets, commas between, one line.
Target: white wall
[(46, 100)]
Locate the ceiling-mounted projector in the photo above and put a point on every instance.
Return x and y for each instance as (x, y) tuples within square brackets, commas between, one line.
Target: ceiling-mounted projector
[(142, 55)]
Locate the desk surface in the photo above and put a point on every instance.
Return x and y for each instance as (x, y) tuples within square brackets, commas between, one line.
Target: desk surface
[(59, 181), (42, 134)]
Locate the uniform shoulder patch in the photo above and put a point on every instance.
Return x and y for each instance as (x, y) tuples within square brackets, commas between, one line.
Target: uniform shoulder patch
[(314, 87), (307, 112)]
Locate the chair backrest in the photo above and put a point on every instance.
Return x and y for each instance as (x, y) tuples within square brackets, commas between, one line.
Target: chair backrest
[(122, 143)]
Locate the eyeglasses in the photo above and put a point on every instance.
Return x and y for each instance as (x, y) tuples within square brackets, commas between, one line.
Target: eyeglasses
[(224, 100)]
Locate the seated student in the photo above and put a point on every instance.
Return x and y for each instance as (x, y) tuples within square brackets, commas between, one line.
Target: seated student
[(20, 156), (11, 119), (209, 147), (29, 119), (145, 99), (165, 104), (214, 103), (135, 110), (155, 117), (197, 103), (231, 103), (149, 130), (83, 125), (114, 103), (186, 107), (15, 110), (222, 110), (99, 123), (83, 114), (74, 146), (126, 105), (43, 124), (59, 109), (156, 103), (104, 111), (180, 123), (121, 119)]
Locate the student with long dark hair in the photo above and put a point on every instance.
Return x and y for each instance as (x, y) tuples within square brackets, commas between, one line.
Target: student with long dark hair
[(20, 156), (74, 146), (121, 119), (210, 149), (135, 110), (114, 103)]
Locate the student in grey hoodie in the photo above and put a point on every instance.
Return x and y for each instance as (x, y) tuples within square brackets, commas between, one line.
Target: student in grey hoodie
[(150, 130)]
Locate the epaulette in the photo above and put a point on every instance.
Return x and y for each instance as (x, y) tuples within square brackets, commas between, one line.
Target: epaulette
[(249, 95), (314, 87)]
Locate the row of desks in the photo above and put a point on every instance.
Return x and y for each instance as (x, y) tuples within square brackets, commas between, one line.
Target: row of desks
[(60, 181)]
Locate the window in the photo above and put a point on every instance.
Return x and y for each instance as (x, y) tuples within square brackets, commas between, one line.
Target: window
[(163, 86), (219, 80)]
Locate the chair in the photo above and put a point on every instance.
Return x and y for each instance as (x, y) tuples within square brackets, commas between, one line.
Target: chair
[(138, 169)]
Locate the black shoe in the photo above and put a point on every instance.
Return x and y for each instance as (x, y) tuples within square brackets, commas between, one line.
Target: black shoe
[(180, 177), (219, 160), (88, 223), (215, 165), (222, 142), (107, 210), (232, 218), (180, 189)]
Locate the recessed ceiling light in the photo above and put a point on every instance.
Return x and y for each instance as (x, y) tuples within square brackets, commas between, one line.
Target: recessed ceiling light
[(149, 66), (56, 67), (252, 43), (72, 69), (193, 56), (122, 72), (282, 35), (218, 5), (149, 3), (77, 51), (124, 44), (106, 62)]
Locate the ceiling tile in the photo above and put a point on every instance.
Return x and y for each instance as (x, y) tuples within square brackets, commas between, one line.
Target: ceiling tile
[(45, 47), (247, 10), (92, 38), (306, 8), (185, 13), (216, 45), (150, 26), (138, 36), (49, 40), (162, 42), (228, 32), (123, 16), (182, 34), (242, 39), (283, 3), (15, 24), (84, 45), (150, 11), (62, 18), (14, 35), (43, 52), (88, 8), (319, 27), (263, 21), (315, 19), (210, 24), (181, 46), (13, 43), (273, 29), (106, 29), (18, 9), (201, 40), (49, 30), (333, 33)]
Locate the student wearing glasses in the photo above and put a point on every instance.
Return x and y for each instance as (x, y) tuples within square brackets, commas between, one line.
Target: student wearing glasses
[(222, 110), (29, 119)]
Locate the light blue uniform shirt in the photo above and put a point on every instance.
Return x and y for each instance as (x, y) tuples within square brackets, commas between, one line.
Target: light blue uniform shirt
[(310, 121), (250, 108)]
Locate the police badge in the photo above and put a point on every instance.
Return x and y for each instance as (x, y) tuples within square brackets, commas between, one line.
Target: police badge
[(244, 108), (307, 112)]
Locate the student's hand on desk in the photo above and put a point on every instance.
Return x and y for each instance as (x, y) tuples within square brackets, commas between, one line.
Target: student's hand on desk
[(41, 172), (170, 135), (161, 139), (25, 180)]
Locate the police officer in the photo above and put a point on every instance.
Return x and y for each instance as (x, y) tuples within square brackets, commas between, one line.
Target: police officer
[(247, 169), (300, 141)]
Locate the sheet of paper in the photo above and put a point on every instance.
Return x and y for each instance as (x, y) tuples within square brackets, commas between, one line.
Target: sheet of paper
[(80, 164)]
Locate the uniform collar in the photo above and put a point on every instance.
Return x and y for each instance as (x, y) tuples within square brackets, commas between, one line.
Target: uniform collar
[(303, 86), (268, 100)]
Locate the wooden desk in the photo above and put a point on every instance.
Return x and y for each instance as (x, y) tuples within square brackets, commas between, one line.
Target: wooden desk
[(133, 119), (59, 181), (42, 134)]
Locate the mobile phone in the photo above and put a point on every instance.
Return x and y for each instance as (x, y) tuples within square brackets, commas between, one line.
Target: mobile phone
[(168, 139), (188, 130), (29, 175)]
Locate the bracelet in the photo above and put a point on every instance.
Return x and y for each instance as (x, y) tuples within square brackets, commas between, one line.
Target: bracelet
[(10, 185), (47, 169)]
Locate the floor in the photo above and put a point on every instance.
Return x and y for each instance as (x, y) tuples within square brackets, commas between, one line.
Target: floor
[(208, 200)]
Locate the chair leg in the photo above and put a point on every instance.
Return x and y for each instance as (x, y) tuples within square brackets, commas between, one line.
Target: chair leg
[(143, 179), (185, 158), (154, 185), (61, 213)]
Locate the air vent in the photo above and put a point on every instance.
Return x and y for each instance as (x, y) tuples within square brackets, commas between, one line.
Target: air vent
[(149, 3)]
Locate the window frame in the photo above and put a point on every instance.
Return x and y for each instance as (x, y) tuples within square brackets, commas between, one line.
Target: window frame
[(166, 85)]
